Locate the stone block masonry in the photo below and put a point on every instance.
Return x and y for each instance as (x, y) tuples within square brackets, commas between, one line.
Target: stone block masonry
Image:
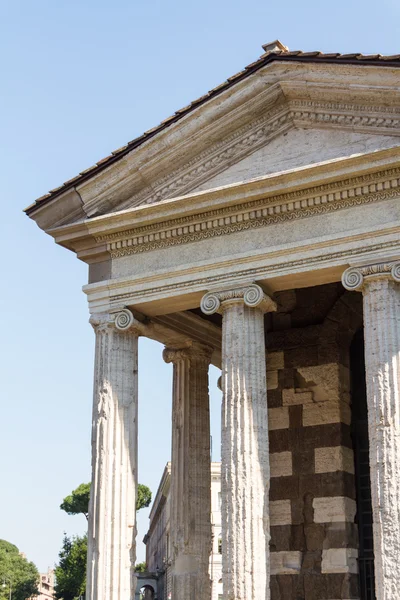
[(314, 537)]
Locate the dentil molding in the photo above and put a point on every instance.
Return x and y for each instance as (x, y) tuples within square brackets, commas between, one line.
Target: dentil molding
[(317, 200)]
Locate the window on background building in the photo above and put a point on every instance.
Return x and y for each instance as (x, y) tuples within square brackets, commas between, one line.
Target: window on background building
[(220, 545)]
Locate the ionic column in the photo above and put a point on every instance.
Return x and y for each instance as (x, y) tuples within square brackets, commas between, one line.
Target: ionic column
[(379, 284), (112, 510), (190, 496), (245, 453)]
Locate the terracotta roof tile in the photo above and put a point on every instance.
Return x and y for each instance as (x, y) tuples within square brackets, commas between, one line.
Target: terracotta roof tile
[(219, 87), (57, 189), (118, 150), (332, 55), (237, 76), (88, 170), (168, 119), (269, 56), (73, 179), (103, 160), (310, 54), (347, 56), (370, 57), (201, 99), (136, 139)]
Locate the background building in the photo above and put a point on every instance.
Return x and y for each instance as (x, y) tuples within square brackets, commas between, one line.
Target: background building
[(46, 586), (157, 539)]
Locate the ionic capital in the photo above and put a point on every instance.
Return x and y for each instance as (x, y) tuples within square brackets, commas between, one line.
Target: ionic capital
[(251, 295), (122, 320), (193, 352), (355, 278)]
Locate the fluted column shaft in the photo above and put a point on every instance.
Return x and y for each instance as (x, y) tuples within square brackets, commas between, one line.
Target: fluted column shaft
[(381, 299), (244, 453), (112, 510), (190, 496)]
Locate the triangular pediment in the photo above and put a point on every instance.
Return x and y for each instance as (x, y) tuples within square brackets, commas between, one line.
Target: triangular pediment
[(281, 117), (299, 148)]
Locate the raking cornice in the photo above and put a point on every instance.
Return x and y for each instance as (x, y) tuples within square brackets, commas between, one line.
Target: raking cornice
[(248, 139)]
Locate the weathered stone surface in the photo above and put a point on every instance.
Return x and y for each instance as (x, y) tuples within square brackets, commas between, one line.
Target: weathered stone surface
[(337, 458), (329, 510), (278, 418), (272, 380), (280, 512), (380, 284), (285, 563), (245, 471), (330, 411), (281, 464), (190, 496), (291, 397), (112, 510), (339, 560)]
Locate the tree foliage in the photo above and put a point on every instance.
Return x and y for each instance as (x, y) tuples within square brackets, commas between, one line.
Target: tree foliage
[(71, 569), (143, 496), (141, 567), (78, 501), (15, 568)]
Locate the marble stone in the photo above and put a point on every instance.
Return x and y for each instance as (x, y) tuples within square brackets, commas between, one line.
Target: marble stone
[(190, 495), (380, 286), (112, 510), (244, 447)]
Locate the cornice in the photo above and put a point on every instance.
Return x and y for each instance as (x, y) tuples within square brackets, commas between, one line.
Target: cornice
[(217, 158), (297, 204)]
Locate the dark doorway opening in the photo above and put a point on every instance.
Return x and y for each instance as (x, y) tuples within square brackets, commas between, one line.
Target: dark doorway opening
[(359, 432)]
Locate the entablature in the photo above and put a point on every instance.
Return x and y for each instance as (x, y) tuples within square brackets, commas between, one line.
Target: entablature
[(289, 196)]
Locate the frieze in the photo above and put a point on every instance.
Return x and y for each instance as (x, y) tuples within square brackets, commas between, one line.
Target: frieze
[(377, 178), (255, 214)]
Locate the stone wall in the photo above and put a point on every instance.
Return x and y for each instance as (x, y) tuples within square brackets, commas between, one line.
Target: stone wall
[(314, 536)]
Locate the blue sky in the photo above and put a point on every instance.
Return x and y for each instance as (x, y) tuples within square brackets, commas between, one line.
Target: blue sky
[(79, 79)]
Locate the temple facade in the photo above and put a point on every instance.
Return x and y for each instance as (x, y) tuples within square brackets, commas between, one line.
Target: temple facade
[(256, 229)]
